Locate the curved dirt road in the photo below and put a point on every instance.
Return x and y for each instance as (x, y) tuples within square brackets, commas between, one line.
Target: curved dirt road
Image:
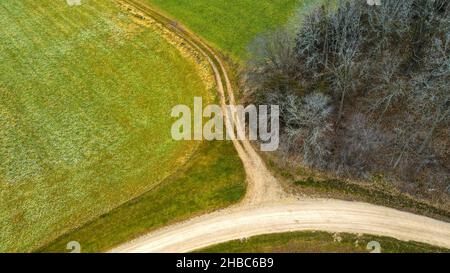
[(319, 214), (266, 208)]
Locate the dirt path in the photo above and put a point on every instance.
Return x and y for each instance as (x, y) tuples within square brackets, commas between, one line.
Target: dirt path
[(266, 208), (318, 214), (262, 185)]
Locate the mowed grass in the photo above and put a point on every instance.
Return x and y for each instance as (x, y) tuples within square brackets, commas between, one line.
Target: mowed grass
[(319, 242), (85, 101), (230, 25), (213, 178)]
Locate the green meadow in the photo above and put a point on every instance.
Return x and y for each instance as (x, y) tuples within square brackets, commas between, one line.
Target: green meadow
[(85, 101), (230, 25)]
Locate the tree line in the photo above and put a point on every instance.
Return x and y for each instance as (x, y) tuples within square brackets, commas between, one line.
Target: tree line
[(363, 90)]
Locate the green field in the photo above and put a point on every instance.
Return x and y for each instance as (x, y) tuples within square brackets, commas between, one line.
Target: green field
[(319, 242), (230, 25), (85, 101), (212, 179)]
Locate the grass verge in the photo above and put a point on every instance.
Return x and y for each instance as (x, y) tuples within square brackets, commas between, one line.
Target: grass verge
[(319, 242), (372, 195), (307, 182)]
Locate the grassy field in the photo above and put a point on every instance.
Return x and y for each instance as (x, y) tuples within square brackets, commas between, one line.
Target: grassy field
[(212, 179), (319, 242), (230, 25), (85, 100)]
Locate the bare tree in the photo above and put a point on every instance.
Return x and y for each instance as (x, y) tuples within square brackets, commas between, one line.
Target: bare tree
[(307, 121), (386, 72), (361, 144), (272, 66), (430, 98)]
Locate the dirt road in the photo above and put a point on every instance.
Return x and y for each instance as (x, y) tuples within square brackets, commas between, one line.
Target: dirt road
[(321, 214), (266, 208)]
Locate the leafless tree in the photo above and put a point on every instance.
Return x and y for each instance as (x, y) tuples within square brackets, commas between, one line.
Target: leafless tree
[(308, 121), (272, 64), (430, 98), (386, 72), (361, 145)]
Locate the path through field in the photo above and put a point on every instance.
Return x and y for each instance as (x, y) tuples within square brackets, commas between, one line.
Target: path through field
[(266, 208)]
